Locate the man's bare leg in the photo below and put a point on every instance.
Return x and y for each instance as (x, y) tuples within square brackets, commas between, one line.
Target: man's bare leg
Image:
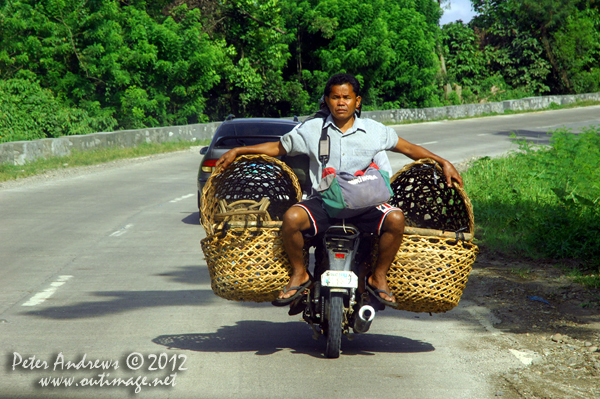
[(294, 221), (389, 243)]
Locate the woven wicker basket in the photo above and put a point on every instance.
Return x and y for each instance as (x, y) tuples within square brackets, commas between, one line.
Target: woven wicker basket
[(250, 177), (432, 266), (248, 264), (241, 211)]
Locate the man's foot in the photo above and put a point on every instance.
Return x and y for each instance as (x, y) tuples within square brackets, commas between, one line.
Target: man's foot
[(380, 290), (290, 289), (293, 290)]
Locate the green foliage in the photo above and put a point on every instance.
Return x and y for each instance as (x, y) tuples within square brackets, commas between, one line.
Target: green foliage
[(577, 49), (591, 281), (389, 46), (542, 46), (495, 48), (519, 61), (143, 71), (29, 112), (257, 52), (542, 202), (113, 64), (453, 98), (466, 61), (501, 63)]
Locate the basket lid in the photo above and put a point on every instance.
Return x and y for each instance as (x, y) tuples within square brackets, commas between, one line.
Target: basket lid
[(251, 177), (421, 192)]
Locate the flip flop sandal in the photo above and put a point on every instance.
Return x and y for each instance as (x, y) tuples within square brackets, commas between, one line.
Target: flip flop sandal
[(376, 291), (299, 291)]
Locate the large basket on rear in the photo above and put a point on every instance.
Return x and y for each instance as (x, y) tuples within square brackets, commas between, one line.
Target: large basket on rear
[(248, 264), (242, 208), (431, 268)]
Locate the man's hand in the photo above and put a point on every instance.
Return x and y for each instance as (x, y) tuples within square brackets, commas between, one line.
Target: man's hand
[(226, 159), (273, 149), (451, 173), (417, 152)]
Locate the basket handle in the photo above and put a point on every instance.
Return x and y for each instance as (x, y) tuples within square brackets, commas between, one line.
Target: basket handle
[(243, 207), (238, 212)]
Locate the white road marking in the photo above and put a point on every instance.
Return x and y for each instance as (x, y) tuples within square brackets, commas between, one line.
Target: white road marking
[(430, 142), (483, 134), (122, 231), (182, 198), (48, 292)]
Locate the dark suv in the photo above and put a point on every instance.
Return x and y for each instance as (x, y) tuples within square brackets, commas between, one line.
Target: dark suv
[(244, 132)]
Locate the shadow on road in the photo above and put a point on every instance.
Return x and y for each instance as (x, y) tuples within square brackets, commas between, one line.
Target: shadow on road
[(536, 136), (188, 275), (114, 302), (266, 338), (194, 218)]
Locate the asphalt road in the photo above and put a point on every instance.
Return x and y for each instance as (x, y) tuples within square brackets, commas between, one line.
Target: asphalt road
[(105, 269), (490, 136)]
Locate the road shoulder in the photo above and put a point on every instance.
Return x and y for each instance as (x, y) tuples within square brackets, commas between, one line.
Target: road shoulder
[(552, 323)]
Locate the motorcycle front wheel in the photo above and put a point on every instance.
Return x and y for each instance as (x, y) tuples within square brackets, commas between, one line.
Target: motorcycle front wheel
[(335, 312)]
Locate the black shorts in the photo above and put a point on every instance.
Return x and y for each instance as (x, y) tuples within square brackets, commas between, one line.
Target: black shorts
[(369, 222)]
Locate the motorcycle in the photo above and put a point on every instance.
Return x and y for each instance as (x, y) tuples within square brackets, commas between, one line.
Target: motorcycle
[(333, 306)]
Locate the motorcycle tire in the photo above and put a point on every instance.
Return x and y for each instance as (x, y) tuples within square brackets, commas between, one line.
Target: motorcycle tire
[(335, 310)]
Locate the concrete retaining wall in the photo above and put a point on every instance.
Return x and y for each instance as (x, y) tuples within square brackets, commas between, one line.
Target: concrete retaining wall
[(462, 111), (21, 152)]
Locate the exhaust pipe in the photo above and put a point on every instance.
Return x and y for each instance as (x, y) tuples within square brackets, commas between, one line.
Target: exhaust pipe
[(363, 319)]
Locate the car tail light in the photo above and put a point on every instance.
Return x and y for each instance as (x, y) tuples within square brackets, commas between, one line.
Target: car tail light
[(208, 166)]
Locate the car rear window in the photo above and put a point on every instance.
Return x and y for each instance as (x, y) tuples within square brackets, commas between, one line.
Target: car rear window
[(250, 134)]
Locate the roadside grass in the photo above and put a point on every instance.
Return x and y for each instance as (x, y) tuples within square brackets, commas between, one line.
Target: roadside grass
[(522, 272), (551, 107), (94, 157), (543, 202), (590, 280)]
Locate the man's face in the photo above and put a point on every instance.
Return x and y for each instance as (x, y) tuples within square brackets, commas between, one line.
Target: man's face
[(342, 102)]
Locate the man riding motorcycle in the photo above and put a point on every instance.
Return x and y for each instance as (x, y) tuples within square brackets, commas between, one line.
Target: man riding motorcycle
[(354, 144)]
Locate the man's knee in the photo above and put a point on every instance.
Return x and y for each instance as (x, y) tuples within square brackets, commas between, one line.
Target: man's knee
[(394, 222), (295, 219)]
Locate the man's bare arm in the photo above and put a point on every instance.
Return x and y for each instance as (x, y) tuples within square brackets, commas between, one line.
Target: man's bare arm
[(272, 149), (417, 152)]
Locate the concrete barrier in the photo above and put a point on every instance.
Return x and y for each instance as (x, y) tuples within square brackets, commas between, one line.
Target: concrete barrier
[(21, 152)]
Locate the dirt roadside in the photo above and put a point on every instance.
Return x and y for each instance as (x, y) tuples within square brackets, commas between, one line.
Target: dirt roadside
[(553, 325)]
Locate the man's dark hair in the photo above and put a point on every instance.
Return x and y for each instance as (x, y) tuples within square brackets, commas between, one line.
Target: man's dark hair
[(341, 79)]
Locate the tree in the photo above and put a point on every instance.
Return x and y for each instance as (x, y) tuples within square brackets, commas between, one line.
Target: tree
[(258, 52), (141, 71), (577, 50), (29, 112), (565, 31), (389, 46), (545, 17), (467, 60)]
